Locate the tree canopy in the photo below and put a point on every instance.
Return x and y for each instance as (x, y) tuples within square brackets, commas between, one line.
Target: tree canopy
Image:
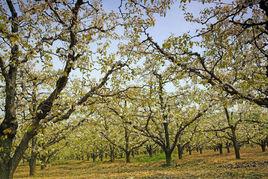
[(75, 71)]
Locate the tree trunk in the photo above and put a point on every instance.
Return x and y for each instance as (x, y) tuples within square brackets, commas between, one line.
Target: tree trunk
[(127, 155), (43, 166), (101, 155), (235, 143), (149, 150), (32, 164), (8, 165), (180, 151), (168, 157), (201, 150), (190, 150), (8, 127), (127, 152), (5, 173), (236, 149), (94, 156), (263, 145), (228, 147), (112, 154), (220, 148), (263, 148)]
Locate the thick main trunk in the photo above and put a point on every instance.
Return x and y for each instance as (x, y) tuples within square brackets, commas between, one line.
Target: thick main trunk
[(8, 165), (8, 128), (235, 143), (236, 149), (5, 159), (168, 158), (5, 172), (21, 148)]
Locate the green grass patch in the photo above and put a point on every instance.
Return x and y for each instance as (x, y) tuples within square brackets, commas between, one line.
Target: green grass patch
[(145, 158)]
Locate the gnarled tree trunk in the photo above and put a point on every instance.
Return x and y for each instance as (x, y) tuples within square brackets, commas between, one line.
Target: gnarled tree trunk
[(168, 154), (180, 150)]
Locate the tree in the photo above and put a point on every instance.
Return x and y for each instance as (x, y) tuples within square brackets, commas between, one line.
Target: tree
[(29, 42), (233, 136), (255, 126), (119, 118), (186, 140), (235, 39), (150, 148), (52, 140), (229, 126), (233, 56), (166, 115)]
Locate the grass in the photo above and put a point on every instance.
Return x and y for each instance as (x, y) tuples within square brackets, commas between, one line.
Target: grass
[(146, 158), (254, 164)]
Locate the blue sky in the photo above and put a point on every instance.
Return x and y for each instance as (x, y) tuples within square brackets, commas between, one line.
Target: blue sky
[(172, 23)]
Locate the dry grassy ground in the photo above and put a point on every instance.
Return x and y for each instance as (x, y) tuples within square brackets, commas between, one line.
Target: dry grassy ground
[(254, 164)]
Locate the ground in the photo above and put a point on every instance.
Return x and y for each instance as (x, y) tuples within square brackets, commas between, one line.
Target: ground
[(254, 164)]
